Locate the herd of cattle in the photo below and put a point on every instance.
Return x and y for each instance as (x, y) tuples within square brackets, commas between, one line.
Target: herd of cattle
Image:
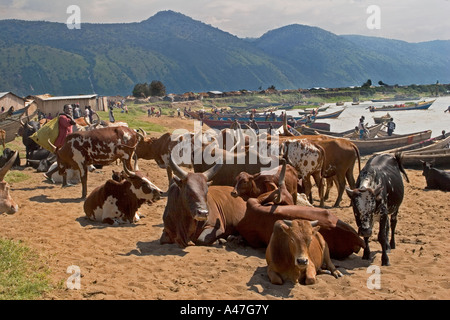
[(222, 199)]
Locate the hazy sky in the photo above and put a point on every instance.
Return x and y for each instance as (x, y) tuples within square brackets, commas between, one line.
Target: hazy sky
[(409, 20)]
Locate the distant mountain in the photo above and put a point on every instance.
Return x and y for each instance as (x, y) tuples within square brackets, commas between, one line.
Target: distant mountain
[(187, 55)]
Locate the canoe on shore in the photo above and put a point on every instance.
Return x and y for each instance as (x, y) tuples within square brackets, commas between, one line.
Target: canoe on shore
[(440, 158), (424, 105), (224, 124), (370, 146)]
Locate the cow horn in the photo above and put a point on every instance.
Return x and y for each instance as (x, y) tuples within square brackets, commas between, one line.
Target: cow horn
[(211, 172), (143, 132), (282, 174), (128, 171), (34, 161), (180, 173), (4, 170), (52, 146), (314, 223), (288, 222)]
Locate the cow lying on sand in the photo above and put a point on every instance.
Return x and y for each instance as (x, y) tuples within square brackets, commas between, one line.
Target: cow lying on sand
[(435, 178), (198, 214), (296, 252), (261, 213), (117, 202)]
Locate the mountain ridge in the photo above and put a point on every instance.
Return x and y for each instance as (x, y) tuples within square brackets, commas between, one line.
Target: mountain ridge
[(188, 55)]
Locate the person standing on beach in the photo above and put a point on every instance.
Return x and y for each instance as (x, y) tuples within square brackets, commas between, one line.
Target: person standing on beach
[(362, 128), (390, 126)]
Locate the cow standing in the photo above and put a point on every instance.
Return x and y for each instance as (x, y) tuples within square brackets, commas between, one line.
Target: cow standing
[(27, 130), (308, 159), (101, 147), (378, 193), (297, 251)]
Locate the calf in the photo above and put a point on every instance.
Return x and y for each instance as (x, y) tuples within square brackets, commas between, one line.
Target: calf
[(117, 202), (7, 204), (296, 252), (252, 185), (435, 178), (379, 193)]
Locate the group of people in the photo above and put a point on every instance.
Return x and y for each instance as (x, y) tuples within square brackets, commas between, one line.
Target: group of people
[(363, 131)]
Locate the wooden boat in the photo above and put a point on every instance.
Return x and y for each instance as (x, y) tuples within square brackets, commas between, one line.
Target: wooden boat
[(425, 145), (416, 106), (370, 146), (10, 122), (382, 119), (223, 124), (439, 157), (332, 115), (311, 111), (373, 131)]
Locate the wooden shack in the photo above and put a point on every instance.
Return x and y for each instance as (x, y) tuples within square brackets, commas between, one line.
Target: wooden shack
[(54, 105)]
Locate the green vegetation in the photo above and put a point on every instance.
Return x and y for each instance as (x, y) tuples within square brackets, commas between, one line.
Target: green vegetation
[(14, 176), (135, 118), (39, 57), (22, 275)]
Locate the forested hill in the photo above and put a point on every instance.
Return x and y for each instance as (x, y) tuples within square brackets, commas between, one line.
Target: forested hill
[(187, 55)]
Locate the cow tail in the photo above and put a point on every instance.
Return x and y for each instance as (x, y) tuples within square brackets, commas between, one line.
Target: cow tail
[(322, 170), (399, 159)]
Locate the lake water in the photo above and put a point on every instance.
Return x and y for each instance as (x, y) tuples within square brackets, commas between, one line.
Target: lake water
[(406, 121)]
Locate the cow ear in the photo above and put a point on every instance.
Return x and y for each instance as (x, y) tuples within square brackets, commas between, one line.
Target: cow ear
[(315, 230)]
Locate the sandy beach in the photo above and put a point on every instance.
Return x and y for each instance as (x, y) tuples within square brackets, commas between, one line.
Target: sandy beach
[(128, 262)]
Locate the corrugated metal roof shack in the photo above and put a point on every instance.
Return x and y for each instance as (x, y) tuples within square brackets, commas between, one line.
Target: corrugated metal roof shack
[(54, 105)]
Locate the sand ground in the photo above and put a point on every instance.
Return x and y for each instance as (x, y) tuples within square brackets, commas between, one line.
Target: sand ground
[(128, 262)]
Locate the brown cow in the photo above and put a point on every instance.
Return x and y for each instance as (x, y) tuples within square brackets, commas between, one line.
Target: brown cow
[(117, 202), (252, 185), (7, 203), (159, 149), (100, 146), (196, 214), (261, 213), (296, 252)]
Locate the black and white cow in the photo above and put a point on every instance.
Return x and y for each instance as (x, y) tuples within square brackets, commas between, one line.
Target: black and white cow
[(435, 178), (378, 194)]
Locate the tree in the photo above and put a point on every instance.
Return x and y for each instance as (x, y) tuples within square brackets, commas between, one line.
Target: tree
[(368, 83), (381, 83), (157, 88), (144, 90)]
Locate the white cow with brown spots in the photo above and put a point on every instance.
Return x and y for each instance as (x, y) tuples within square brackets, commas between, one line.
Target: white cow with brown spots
[(308, 159), (117, 202)]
